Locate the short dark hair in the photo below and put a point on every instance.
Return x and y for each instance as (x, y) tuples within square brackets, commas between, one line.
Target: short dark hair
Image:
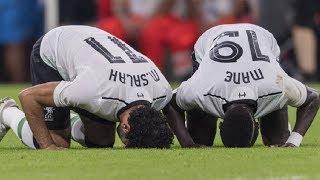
[(148, 129), (238, 128)]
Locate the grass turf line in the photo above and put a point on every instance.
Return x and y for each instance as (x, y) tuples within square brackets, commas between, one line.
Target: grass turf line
[(259, 162)]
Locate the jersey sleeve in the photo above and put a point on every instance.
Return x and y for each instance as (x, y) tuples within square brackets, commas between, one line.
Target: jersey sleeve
[(162, 92), (162, 100), (294, 90), (185, 98)]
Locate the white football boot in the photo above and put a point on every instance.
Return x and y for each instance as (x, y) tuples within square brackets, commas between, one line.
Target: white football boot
[(5, 103)]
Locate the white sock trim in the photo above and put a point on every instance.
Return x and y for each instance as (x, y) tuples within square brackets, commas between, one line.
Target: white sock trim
[(27, 136), (15, 119), (77, 133)]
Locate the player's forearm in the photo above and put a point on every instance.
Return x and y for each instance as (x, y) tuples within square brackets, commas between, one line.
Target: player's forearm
[(306, 113), (34, 114), (305, 117), (176, 123)]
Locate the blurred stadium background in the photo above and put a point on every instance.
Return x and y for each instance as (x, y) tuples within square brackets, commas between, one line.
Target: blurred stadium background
[(164, 30)]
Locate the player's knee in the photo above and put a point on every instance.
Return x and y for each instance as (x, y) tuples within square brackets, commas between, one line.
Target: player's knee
[(24, 94)]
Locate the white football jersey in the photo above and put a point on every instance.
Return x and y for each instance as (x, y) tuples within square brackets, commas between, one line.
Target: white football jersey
[(239, 62), (101, 73)]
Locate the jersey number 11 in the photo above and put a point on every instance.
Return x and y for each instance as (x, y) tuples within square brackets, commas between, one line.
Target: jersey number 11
[(108, 55)]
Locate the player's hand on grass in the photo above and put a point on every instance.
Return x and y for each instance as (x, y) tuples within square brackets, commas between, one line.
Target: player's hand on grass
[(53, 147)]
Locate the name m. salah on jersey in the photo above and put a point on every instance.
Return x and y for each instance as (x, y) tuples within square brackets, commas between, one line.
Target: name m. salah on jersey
[(137, 80)]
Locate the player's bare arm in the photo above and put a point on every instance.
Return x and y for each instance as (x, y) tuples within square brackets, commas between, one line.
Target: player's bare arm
[(176, 122), (33, 100), (305, 116)]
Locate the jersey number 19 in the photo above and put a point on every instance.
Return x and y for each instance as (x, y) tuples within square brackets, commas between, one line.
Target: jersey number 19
[(237, 50)]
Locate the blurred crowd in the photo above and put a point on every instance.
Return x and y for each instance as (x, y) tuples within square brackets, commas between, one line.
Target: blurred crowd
[(166, 30)]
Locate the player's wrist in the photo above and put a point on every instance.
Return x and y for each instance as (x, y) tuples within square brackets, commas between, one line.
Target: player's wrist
[(295, 139)]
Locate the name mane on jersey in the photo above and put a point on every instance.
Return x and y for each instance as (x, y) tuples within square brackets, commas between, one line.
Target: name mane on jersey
[(244, 77), (137, 80)]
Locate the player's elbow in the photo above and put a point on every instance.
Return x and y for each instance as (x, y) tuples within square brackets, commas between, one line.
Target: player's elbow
[(317, 98), (25, 94), (313, 98)]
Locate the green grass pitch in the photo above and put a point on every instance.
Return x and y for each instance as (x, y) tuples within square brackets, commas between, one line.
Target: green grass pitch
[(259, 162)]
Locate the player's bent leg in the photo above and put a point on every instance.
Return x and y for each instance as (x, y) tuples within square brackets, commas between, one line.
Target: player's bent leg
[(12, 117), (255, 134), (99, 134), (202, 127), (91, 131), (274, 127)]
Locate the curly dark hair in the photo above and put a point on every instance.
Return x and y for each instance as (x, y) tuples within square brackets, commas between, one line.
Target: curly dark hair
[(148, 129), (238, 128)]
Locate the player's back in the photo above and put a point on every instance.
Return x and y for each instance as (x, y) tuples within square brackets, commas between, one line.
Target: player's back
[(99, 69), (238, 61), (69, 49)]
